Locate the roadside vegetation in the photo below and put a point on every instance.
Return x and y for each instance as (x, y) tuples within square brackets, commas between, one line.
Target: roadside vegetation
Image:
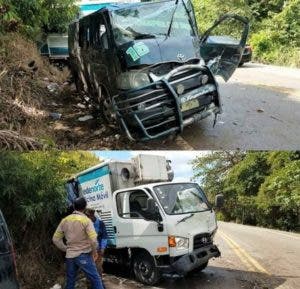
[(275, 26), (260, 188), (33, 200)]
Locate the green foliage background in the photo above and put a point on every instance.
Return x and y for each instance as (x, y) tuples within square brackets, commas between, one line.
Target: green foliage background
[(33, 200), (275, 26), (260, 188), (33, 17)]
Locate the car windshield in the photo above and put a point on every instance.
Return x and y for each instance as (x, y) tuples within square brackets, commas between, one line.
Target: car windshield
[(181, 198), (150, 21)]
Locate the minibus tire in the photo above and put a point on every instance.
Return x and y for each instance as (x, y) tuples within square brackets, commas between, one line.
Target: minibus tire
[(145, 270)]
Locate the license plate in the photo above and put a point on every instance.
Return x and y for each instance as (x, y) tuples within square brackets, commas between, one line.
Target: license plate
[(189, 105)]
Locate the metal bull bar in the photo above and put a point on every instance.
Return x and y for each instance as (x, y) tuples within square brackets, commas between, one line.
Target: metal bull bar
[(155, 109)]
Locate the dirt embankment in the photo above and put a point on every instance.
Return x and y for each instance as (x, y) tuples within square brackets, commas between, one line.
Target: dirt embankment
[(39, 106)]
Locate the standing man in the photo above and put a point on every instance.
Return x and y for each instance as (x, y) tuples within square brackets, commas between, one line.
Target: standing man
[(102, 237), (81, 248)]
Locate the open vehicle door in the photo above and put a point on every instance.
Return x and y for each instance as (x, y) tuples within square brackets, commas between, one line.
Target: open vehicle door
[(222, 45)]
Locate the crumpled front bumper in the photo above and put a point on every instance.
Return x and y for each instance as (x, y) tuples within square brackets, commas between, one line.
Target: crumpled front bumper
[(155, 110), (186, 263)]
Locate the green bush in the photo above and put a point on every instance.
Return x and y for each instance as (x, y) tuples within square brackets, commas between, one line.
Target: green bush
[(32, 199), (31, 17), (275, 26), (260, 188)]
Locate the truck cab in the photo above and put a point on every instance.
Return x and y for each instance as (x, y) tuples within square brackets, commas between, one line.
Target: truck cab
[(154, 225), (8, 278), (142, 67), (169, 227)]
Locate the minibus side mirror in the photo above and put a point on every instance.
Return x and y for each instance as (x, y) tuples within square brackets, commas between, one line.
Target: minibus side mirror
[(219, 201)]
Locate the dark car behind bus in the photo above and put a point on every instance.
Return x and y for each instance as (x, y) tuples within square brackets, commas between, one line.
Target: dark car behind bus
[(8, 278)]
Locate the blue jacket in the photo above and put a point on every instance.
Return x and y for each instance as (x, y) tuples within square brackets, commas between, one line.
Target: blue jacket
[(101, 233)]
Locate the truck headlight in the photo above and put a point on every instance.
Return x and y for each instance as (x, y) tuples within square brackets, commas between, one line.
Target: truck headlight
[(180, 243), (131, 79)]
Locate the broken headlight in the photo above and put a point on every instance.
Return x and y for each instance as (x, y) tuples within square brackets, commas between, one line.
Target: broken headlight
[(131, 79)]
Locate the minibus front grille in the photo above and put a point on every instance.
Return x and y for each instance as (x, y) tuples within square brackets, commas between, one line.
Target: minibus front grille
[(165, 106), (154, 108), (202, 240)]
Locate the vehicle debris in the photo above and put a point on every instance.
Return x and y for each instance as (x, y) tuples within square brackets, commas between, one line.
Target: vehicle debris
[(55, 115), (85, 118), (53, 87)]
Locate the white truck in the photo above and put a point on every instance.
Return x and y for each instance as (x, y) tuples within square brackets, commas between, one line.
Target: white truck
[(154, 225)]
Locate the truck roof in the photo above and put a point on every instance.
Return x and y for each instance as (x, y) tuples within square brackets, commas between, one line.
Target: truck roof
[(158, 184)]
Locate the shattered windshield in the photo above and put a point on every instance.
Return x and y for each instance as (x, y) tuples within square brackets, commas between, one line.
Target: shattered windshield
[(181, 198), (151, 21)]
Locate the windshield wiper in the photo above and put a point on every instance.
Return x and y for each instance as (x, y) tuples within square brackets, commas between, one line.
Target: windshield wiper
[(172, 18), (142, 36), (185, 218)]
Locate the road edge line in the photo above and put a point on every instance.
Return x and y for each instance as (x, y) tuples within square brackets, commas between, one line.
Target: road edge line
[(236, 250), (255, 263)]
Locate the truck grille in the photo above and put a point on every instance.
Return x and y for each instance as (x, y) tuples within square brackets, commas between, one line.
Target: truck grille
[(202, 240)]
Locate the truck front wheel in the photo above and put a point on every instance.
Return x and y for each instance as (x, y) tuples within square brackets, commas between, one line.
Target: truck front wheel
[(145, 270)]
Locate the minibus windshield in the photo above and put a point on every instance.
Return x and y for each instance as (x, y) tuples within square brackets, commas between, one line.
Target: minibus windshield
[(150, 21), (181, 198)]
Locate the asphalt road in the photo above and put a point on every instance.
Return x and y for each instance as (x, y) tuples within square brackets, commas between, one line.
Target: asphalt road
[(252, 258), (261, 110)]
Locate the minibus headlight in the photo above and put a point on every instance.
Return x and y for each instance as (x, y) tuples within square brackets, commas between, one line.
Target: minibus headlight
[(182, 243), (131, 79)]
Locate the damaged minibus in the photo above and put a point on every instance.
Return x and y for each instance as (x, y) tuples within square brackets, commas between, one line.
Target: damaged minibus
[(145, 66)]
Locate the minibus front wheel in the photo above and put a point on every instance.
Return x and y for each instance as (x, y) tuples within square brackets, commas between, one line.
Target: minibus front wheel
[(103, 105)]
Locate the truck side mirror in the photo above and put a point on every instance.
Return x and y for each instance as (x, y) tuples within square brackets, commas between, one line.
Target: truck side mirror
[(219, 201), (153, 214), (151, 207)]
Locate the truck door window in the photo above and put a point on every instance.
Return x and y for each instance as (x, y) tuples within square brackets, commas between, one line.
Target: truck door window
[(132, 204)]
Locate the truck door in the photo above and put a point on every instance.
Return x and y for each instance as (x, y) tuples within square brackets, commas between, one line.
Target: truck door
[(222, 45), (132, 224)]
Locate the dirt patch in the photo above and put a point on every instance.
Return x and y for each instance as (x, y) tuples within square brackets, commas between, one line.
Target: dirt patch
[(23, 92)]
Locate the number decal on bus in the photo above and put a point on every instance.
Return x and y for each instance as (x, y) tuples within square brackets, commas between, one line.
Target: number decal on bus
[(137, 51)]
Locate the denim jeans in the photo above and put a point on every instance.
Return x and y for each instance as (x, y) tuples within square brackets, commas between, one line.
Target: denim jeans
[(85, 263)]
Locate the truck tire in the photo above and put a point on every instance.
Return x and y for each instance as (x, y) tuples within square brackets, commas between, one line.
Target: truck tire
[(145, 270)]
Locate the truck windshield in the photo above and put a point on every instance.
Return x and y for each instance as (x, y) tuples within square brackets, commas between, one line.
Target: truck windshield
[(181, 198), (150, 21)]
